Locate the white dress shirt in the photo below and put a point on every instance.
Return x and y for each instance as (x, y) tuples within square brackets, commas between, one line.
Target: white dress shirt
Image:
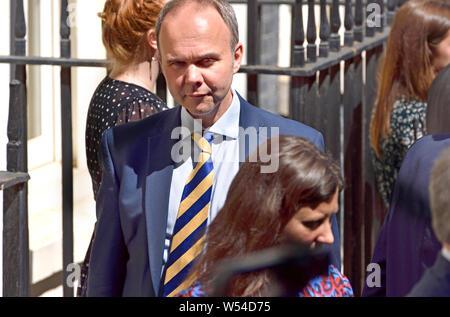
[(225, 158), (446, 253)]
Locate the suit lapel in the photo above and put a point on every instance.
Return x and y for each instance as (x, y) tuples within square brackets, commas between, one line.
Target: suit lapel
[(254, 128), (249, 137), (247, 131), (156, 197)]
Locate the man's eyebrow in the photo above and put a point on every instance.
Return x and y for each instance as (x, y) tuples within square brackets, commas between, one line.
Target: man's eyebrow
[(198, 58), (174, 59), (208, 55)]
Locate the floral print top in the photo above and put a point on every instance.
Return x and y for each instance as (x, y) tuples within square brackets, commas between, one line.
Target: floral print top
[(333, 284), (407, 123)]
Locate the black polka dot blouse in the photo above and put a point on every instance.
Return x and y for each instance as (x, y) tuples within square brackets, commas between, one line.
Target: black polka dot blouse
[(114, 102)]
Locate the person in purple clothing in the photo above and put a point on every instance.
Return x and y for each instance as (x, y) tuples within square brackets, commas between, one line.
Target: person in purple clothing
[(293, 204), (407, 244), (436, 280)]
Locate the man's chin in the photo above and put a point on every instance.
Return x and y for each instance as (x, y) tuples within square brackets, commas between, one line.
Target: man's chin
[(201, 110)]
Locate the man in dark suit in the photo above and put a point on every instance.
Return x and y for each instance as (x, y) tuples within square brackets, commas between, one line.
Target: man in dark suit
[(146, 164), (436, 280)]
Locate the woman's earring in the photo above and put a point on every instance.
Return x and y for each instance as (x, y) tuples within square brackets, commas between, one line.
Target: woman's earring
[(154, 68)]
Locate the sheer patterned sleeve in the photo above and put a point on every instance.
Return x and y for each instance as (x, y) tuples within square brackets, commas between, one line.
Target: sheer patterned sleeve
[(140, 108)]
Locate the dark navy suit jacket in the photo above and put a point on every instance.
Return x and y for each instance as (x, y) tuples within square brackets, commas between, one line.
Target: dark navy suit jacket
[(132, 204), (435, 282), (407, 245)]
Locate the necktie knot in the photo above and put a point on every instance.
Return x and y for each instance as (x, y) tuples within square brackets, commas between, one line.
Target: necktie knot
[(203, 142)]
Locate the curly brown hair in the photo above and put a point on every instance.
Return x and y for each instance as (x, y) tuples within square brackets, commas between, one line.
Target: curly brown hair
[(259, 205)]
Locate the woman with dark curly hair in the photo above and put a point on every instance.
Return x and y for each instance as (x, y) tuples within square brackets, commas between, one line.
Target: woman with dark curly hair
[(293, 204)]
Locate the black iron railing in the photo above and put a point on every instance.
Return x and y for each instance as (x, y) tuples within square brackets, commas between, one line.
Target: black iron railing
[(315, 98)]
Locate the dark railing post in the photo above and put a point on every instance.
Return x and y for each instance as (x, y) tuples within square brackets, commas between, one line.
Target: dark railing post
[(16, 267), (391, 6), (358, 30), (253, 30), (329, 113), (304, 90), (268, 86), (380, 26), (298, 35), (324, 32), (67, 157), (353, 170), (311, 34), (373, 205), (348, 24), (297, 59), (335, 40)]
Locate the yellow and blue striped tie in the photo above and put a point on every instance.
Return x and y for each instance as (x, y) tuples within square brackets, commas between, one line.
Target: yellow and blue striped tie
[(189, 232)]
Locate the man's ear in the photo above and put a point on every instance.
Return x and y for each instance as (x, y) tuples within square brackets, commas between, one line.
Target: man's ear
[(238, 54), (151, 39)]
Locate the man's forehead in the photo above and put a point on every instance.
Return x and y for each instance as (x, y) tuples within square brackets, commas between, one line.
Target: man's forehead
[(191, 9), (192, 13), (191, 28)]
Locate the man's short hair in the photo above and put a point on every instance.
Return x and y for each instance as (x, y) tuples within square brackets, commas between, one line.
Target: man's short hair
[(440, 197), (222, 6)]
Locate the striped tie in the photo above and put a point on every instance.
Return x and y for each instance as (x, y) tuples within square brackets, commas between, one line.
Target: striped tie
[(189, 232)]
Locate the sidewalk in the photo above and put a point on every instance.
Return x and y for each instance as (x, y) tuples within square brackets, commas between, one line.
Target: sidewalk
[(45, 221)]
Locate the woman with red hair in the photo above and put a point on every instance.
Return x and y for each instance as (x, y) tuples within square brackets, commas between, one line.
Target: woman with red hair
[(418, 47), (127, 92)]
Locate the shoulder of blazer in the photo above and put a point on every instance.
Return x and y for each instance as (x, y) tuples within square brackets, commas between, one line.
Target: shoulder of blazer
[(434, 141), (252, 116), (129, 144), (425, 150), (139, 131)]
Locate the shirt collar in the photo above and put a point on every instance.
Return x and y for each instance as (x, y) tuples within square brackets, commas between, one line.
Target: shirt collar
[(227, 125), (446, 253)]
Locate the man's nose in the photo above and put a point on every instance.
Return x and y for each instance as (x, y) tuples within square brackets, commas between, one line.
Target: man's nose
[(193, 75)]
